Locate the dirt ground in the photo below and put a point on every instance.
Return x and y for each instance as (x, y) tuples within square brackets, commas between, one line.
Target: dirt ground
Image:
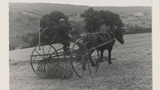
[(131, 70)]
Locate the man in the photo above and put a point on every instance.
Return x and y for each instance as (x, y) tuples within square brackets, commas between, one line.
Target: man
[(61, 35)]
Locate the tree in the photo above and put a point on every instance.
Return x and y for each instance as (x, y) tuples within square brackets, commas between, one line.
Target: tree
[(11, 47), (35, 40), (110, 19), (51, 20), (92, 20), (17, 36), (45, 21), (47, 25), (25, 38), (56, 15)]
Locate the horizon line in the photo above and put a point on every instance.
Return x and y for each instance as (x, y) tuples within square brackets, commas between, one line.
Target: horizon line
[(80, 4)]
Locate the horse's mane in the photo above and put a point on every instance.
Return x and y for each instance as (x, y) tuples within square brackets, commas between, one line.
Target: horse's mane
[(97, 38)]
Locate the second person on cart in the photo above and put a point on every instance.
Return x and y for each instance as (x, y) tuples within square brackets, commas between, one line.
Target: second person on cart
[(61, 35)]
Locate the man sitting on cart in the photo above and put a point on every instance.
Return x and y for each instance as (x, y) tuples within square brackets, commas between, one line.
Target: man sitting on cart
[(61, 35)]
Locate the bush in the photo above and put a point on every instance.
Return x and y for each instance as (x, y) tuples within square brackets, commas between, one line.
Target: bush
[(11, 47), (136, 29), (34, 41), (25, 39)]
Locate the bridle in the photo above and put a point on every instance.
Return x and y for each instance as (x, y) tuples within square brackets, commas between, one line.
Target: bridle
[(115, 36)]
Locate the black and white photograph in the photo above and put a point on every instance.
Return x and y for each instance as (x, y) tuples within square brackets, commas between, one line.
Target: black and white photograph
[(80, 44)]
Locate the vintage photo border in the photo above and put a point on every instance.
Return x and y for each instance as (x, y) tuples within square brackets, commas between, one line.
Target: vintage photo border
[(4, 46)]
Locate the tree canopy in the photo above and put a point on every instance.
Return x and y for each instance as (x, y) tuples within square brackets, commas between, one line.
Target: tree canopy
[(110, 19), (94, 19), (51, 20), (47, 25)]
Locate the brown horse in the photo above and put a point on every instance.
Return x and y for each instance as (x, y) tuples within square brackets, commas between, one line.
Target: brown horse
[(103, 41)]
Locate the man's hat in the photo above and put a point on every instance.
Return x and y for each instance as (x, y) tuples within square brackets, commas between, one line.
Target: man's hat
[(62, 20)]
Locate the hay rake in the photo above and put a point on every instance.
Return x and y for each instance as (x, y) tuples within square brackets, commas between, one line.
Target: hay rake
[(45, 55)]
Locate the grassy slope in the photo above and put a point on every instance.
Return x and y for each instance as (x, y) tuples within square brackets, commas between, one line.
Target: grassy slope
[(132, 70), (23, 17)]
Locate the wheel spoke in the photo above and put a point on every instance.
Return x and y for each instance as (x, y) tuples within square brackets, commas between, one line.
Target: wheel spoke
[(44, 67), (83, 73), (78, 65), (44, 52), (95, 55), (89, 68), (35, 58), (39, 54), (38, 66), (49, 50)]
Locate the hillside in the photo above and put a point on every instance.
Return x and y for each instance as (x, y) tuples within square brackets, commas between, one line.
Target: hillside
[(23, 17), (131, 69)]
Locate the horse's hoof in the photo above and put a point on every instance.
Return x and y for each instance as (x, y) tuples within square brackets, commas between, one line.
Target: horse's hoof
[(93, 65), (101, 61), (110, 63)]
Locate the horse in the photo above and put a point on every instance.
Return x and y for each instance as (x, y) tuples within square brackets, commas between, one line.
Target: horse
[(103, 41)]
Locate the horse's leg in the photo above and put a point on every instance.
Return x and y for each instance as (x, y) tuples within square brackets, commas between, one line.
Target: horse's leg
[(101, 58), (92, 62), (109, 56)]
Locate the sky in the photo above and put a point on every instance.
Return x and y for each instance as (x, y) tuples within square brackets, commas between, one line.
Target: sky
[(92, 2)]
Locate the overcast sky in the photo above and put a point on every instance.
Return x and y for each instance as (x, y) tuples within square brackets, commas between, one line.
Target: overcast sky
[(92, 2)]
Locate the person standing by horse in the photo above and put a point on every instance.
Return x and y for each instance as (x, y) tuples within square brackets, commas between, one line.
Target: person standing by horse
[(61, 35)]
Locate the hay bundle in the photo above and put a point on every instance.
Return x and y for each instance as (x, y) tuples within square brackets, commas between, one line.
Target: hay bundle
[(41, 69), (55, 69)]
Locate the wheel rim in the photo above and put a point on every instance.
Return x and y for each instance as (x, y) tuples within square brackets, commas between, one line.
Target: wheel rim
[(75, 61), (81, 64), (41, 57)]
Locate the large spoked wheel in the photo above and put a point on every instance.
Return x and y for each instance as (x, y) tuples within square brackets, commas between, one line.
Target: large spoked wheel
[(81, 60), (42, 57)]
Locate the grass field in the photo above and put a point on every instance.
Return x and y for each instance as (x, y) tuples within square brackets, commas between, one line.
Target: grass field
[(131, 70)]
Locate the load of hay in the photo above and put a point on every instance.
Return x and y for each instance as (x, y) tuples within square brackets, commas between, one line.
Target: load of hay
[(55, 69)]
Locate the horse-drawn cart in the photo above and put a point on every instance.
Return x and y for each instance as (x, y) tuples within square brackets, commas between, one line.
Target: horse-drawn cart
[(45, 55), (82, 60)]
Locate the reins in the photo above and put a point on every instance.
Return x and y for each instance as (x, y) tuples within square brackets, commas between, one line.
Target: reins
[(103, 44)]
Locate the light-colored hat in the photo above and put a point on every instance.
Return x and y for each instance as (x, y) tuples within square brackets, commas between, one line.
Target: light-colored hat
[(62, 20)]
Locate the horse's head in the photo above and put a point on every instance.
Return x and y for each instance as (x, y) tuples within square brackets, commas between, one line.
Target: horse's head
[(118, 35)]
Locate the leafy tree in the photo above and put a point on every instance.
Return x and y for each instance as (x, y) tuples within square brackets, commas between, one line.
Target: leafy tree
[(50, 20), (47, 25), (45, 22), (56, 15), (92, 20), (25, 38), (110, 19), (11, 47), (17, 36), (35, 40)]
